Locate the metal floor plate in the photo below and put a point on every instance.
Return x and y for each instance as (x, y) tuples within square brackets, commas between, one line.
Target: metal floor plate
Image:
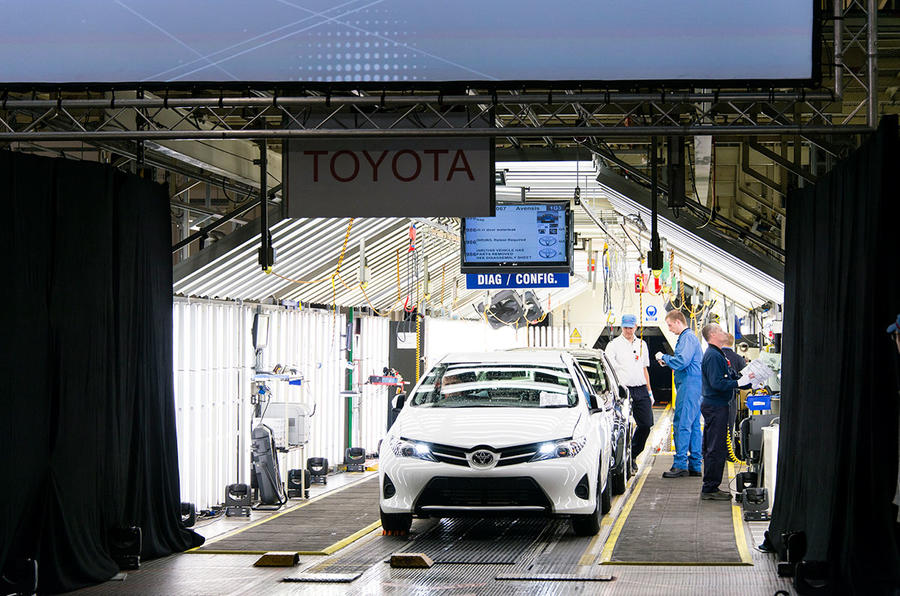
[(480, 541)]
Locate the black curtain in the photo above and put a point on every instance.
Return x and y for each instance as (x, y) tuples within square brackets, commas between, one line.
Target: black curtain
[(837, 459), (88, 431)]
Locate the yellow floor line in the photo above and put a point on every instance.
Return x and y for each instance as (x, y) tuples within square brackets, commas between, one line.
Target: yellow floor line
[(677, 563), (590, 554), (738, 520), (620, 523), (324, 552), (351, 538), (197, 549)]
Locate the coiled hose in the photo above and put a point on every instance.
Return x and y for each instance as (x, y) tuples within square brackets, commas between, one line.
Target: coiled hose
[(731, 451)]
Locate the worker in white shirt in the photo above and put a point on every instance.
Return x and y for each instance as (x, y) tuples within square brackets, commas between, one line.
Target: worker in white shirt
[(630, 357)]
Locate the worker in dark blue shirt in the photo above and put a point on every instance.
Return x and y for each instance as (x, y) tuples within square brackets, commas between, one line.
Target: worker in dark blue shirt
[(719, 381)]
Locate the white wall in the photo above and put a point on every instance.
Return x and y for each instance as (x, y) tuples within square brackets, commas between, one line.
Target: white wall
[(213, 357), (443, 336), (371, 356)]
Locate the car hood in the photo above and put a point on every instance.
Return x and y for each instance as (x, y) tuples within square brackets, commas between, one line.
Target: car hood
[(495, 427)]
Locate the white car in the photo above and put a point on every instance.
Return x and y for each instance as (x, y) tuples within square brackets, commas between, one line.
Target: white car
[(509, 433)]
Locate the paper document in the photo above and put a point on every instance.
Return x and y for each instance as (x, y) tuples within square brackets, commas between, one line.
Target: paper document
[(553, 399), (760, 371)]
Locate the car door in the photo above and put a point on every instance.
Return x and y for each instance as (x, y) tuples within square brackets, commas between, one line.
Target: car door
[(601, 417)]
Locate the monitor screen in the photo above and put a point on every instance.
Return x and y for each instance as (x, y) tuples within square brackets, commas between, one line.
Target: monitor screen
[(405, 41), (260, 330), (520, 237)]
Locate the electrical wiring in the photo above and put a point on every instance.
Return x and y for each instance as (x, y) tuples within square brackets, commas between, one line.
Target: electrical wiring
[(627, 235), (399, 290), (443, 281), (732, 454), (386, 313), (607, 299)]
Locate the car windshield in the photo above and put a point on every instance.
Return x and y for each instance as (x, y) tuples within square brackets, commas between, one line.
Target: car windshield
[(472, 385)]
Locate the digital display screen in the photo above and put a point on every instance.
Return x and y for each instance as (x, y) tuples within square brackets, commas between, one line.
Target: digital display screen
[(519, 236), (404, 41)]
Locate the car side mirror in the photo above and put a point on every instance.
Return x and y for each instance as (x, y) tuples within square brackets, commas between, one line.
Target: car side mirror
[(623, 392), (401, 400)]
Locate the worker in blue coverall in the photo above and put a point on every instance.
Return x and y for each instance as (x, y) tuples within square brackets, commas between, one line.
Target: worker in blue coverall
[(686, 365)]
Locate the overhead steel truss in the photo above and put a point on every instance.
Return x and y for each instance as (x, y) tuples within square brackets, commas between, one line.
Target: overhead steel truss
[(849, 106)]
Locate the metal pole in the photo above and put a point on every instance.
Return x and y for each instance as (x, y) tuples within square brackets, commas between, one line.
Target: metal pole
[(653, 257), (266, 254), (872, 33), (838, 49)]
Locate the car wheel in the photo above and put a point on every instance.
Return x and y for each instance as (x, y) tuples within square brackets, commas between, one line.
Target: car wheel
[(606, 497), (629, 459), (396, 522), (617, 478), (589, 525)]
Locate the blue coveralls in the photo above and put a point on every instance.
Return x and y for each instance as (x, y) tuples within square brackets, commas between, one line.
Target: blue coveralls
[(686, 365)]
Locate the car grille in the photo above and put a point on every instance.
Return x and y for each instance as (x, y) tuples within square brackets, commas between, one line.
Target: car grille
[(508, 455), (442, 491)]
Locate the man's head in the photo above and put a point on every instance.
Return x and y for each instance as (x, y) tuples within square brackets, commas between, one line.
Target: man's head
[(629, 322), (676, 322), (894, 330), (715, 335), (729, 340)]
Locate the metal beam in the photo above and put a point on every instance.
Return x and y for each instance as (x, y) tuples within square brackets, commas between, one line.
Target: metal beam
[(745, 168), (784, 163), (663, 97), (546, 131)]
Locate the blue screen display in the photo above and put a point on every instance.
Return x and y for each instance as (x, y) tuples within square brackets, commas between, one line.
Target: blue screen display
[(528, 233), (403, 40)]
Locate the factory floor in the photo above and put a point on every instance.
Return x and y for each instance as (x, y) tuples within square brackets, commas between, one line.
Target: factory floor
[(549, 560)]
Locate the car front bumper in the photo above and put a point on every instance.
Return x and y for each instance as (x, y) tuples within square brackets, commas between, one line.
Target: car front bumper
[(446, 490)]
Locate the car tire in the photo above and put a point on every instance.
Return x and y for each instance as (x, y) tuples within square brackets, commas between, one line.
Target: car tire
[(606, 497), (396, 522), (629, 460), (589, 525), (617, 479)]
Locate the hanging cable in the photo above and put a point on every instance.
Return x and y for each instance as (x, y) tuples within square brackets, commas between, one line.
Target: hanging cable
[(418, 344), (443, 281), (399, 290), (641, 311), (607, 298)]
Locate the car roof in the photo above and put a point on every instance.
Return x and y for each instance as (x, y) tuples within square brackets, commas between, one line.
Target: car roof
[(547, 357), (583, 353)]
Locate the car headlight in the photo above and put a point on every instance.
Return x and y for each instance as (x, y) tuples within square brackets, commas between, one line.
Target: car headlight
[(554, 449), (405, 448)]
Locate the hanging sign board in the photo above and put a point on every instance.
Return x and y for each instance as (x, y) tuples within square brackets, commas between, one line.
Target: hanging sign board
[(489, 281), (406, 42), (398, 177)]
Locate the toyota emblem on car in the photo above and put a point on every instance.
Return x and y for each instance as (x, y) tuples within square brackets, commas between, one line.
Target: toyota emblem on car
[(482, 459)]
